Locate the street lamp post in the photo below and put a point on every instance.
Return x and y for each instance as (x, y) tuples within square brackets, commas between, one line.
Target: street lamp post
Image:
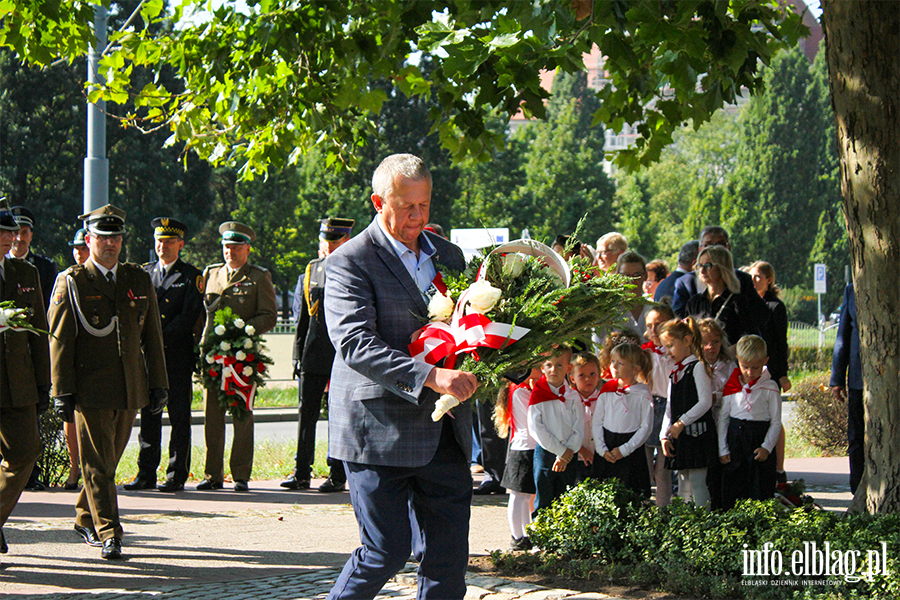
[(96, 165)]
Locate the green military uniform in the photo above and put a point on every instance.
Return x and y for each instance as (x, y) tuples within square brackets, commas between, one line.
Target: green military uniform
[(24, 377), (108, 353), (249, 292)]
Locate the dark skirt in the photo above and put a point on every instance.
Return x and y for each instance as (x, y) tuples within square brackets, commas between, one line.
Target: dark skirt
[(696, 447), (518, 475), (631, 470), (659, 413), (744, 476)]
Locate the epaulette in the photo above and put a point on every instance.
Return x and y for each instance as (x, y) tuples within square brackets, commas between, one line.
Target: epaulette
[(74, 269), (130, 265), (207, 268), (148, 264), (259, 268)]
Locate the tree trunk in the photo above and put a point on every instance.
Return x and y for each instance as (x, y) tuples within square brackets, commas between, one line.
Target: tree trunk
[(862, 42)]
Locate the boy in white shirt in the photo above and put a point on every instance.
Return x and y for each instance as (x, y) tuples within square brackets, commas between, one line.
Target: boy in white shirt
[(556, 422), (749, 425)]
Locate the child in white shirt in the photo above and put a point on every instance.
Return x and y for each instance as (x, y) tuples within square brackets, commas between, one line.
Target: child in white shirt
[(587, 382), (556, 422), (659, 387), (623, 420), (749, 425), (718, 355)]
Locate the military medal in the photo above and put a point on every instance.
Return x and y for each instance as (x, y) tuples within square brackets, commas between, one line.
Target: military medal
[(95, 320)]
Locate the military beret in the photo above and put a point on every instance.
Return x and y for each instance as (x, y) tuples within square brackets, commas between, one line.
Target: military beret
[(165, 228), (106, 220), (332, 229), (78, 240), (236, 233)]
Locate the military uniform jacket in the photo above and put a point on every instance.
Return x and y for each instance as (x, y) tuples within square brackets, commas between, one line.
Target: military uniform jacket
[(24, 356), (248, 291), (47, 271), (180, 300), (108, 348), (312, 346)]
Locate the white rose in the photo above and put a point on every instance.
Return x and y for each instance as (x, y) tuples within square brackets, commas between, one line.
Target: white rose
[(240, 355), (248, 371), (239, 323), (220, 330), (224, 346), (513, 264), (440, 308), (250, 330), (248, 343), (483, 296), (210, 359)]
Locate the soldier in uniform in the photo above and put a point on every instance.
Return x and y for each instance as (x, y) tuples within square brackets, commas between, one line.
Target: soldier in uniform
[(79, 248), (47, 269), (179, 288), (24, 374), (107, 362), (313, 355), (247, 289)]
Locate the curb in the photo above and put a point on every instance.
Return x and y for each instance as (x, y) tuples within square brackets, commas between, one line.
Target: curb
[(260, 415)]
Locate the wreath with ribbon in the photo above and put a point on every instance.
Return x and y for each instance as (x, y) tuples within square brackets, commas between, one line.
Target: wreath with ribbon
[(234, 362)]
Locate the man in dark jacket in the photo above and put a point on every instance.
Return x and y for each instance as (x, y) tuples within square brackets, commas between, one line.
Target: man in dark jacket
[(313, 355), (847, 384), (179, 292)]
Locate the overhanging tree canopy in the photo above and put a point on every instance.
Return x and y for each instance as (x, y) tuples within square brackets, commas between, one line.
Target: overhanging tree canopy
[(272, 79)]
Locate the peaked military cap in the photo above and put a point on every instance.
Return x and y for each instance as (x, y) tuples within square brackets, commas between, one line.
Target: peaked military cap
[(236, 233), (165, 228), (23, 216), (7, 220), (106, 220), (332, 229), (78, 240)]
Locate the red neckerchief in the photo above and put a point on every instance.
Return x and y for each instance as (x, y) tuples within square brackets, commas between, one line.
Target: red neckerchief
[(679, 367), (590, 400), (541, 392), (734, 385), (653, 348), (612, 387), (509, 405)]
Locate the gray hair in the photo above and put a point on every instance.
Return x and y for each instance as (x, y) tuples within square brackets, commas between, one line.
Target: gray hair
[(407, 166), (721, 257), (714, 230), (688, 253)]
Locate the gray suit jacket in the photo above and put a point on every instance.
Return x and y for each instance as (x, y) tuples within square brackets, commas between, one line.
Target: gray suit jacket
[(379, 410)]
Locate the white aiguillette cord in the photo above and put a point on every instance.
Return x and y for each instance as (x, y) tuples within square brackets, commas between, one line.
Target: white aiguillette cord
[(94, 331)]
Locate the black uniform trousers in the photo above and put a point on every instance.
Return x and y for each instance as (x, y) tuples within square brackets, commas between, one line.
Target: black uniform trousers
[(150, 436), (310, 393)]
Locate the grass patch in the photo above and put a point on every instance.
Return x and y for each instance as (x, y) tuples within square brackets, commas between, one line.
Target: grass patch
[(271, 460)]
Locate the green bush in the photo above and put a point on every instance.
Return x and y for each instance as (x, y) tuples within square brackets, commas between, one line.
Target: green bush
[(601, 529), (806, 358), (820, 419)]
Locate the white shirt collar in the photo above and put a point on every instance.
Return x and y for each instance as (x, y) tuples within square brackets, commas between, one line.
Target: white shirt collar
[(103, 270)]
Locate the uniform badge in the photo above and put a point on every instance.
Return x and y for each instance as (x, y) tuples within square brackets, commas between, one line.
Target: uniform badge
[(200, 283), (95, 320), (58, 298)]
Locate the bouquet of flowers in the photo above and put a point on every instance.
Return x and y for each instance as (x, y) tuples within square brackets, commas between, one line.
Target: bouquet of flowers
[(235, 362), (16, 319), (513, 305)]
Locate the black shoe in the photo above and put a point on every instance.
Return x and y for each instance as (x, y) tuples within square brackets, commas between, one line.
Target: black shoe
[(209, 484), (34, 485), (241, 486), (292, 483), (70, 486), (140, 484), (112, 549), (330, 486), (3, 547), (520, 544), (489, 487), (170, 486), (89, 535)]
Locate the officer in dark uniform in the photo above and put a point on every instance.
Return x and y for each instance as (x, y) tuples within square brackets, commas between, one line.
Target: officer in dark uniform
[(107, 362), (247, 290), (24, 373), (179, 291), (47, 270), (313, 355)]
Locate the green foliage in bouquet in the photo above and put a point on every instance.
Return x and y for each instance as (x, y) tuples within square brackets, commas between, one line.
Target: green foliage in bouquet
[(16, 318), (234, 362)]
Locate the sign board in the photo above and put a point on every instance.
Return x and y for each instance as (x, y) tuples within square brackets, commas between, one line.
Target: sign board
[(820, 282), (473, 240)]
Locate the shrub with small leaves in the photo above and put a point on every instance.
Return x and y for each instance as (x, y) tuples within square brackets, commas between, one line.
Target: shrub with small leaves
[(820, 419)]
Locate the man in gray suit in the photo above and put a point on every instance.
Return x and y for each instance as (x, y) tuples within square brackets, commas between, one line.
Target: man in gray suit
[(409, 477)]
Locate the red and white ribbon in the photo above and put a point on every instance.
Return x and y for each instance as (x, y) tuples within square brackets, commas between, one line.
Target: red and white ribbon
[(232, 380)]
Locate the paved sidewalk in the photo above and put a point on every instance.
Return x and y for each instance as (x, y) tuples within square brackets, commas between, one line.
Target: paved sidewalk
[(269, 543)]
